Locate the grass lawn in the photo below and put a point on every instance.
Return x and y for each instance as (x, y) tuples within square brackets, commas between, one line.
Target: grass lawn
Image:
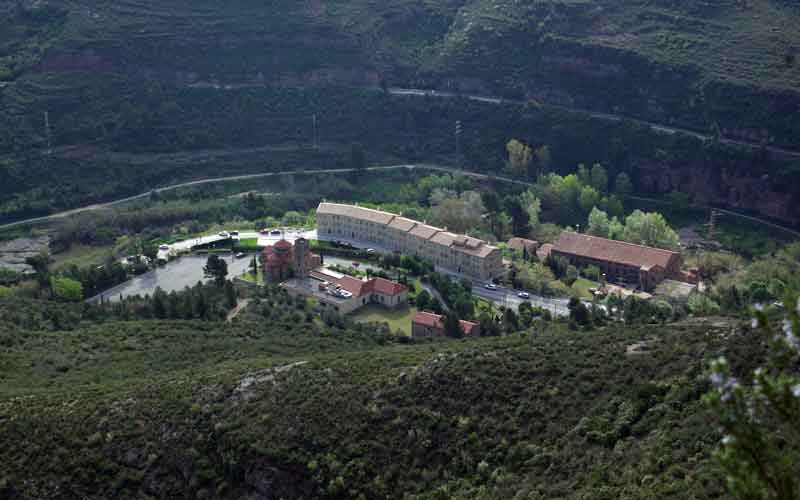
[(247, 243), (582, 286), (257, 278), (81, 256), (398, 319)]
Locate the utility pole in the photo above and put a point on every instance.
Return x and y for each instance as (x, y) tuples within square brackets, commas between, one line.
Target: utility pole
[(47, 133), (712, 224), (316, 134), (458, 142)]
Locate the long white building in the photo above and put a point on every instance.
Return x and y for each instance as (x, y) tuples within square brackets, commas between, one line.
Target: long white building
[(453, 252)]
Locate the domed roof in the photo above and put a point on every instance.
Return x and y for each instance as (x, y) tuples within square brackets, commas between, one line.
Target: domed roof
[(283, 245)]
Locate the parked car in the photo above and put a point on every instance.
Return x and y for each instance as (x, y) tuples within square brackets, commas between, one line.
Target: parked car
[(490, 286), (163, 247), (224, 234), (370, 250), (264, 231), (524, 295), (234, 233), (240, 255), (275, 232)]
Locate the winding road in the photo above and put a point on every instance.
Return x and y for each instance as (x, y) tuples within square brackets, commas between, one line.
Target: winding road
[(421, 166), (609, 117)]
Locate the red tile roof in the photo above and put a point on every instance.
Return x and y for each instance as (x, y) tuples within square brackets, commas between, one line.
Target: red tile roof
[(360, 287), (428, 319), (353, 285), (544, 251), (387, 287), (613, 251), (432, 320), (519, 244), (469, 327)]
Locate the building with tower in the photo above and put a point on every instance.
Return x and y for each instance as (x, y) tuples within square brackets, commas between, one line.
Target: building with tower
[(284, 260)]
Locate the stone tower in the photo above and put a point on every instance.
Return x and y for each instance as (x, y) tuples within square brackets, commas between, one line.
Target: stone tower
[(301, 258)]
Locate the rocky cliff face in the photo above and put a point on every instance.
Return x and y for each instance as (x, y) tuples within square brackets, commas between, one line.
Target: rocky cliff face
[(722, 188), (95, 62)]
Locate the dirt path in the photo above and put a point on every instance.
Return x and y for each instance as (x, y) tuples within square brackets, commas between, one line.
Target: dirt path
[(241, 306)]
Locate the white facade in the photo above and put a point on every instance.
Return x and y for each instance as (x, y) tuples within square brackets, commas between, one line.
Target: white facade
[(455, 253)]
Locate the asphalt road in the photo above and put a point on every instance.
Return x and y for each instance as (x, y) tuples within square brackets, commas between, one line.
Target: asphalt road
[(188, 270), (501, 296), (610, 117)]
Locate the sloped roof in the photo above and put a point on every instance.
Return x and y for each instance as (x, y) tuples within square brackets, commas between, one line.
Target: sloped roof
[(362, 213), (402, 224), (424, 231), (462, 243), (613, 251), (519, 244), (544, 251), (481, 251), (428, 319), (387, 287), (469, 327), (444, 238), (432, 320), (353, 285)]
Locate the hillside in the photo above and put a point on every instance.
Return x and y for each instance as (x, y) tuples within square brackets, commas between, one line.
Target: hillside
[(730, 63), (208, 410)]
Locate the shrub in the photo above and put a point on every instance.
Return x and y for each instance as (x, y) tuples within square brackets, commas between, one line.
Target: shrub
[(66, 289)]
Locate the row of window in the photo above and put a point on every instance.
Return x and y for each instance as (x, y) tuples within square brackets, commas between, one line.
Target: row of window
[(444, 257)]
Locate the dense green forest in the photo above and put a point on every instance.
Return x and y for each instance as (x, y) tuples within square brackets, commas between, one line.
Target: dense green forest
[(125, 85), (627, 119), (188, 409), (131, 137), (729, 62)]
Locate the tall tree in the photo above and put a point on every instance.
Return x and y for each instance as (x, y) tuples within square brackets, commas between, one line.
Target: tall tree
[(519, 216), (423, 300), (159, 303), (217, 269), (491, 201), (650, 229), (533, 206), (520, 156), (452, 325), (489, 326), (544, 159), (230, 295), (254, 265), (622, 184), (599, 177), (599, 224)]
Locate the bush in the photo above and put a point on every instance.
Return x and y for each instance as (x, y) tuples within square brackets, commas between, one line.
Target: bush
[(702, 305), (591, 273), (571, 276), (66, 289)]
